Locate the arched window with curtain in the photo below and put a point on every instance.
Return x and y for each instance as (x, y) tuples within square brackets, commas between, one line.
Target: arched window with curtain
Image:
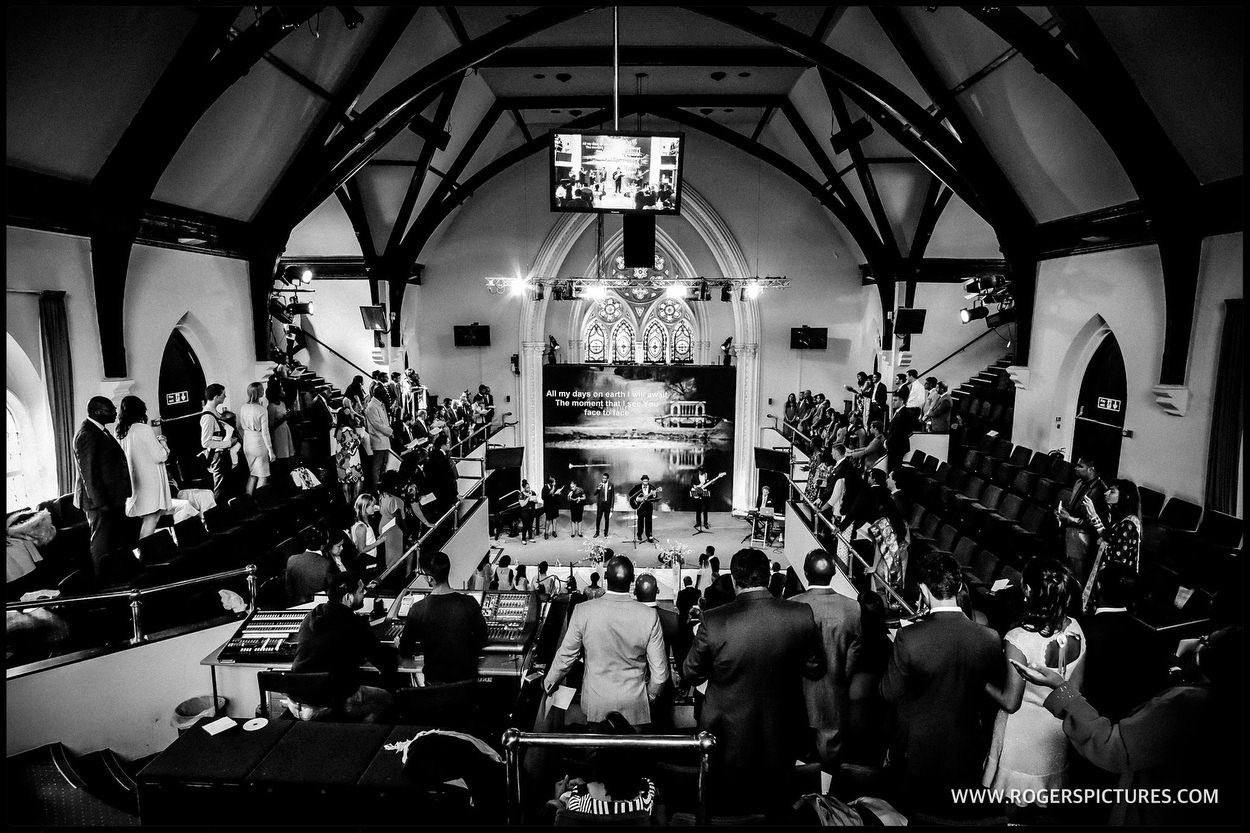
[(596, 344), (15, 494), (655, 343), (683, 343), (623, 343)]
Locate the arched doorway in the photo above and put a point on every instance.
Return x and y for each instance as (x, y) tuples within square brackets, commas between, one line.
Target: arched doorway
[(181, 390), (1099, 427)]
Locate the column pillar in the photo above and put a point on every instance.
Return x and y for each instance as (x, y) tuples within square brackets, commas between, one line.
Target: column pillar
[(746, 432), (530, 413)]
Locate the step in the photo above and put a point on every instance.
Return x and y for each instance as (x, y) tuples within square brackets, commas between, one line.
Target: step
[(45, 789), (107, 779)]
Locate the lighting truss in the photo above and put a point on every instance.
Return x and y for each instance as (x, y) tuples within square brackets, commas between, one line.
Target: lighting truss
[(500, 285)]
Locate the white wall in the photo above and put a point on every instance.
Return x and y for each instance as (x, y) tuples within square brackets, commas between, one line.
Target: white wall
[(336, 321), (1125, 288)]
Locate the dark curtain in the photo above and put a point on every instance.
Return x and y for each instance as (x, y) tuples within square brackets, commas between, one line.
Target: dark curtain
[(1226, 415), (59, 377)]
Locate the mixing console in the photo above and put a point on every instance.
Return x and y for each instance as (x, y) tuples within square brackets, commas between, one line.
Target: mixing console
[(265, 636)]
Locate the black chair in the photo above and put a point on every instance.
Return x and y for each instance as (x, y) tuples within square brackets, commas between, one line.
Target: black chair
[(190, 532), (1220, 529), (1062, 471), (271, 595), (1151, 502), (965, 551), (312, 689), (451, 706), (157, 549), (1181, 514)]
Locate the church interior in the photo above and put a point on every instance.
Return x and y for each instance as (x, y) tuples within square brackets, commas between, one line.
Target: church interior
[(865, 313)]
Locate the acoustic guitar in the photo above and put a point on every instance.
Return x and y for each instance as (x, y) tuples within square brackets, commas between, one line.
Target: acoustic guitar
[(636, 500)]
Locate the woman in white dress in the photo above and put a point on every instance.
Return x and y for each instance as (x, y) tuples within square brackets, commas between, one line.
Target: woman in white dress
[(1029, 750), (146, 453), (361, 533), (257, 444)]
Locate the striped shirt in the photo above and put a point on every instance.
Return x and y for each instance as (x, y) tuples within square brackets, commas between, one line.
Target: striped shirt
[(583, 803)]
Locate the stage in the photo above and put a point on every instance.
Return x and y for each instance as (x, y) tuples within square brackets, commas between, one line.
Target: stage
[(726, 536)]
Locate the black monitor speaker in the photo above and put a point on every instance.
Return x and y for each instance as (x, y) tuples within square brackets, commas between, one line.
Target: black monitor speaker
[(769, 460), (504, 458), (471, 335), (908, 322)]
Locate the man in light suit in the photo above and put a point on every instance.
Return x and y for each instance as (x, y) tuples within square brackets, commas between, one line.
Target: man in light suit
[(754, 653), (378, 424), (936, 680), (837, 618), (622, 646), (103, 481)]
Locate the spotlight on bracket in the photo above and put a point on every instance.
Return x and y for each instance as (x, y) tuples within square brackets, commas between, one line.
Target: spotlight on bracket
[(973, 313)]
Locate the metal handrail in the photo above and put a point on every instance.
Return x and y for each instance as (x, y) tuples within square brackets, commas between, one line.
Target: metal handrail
[(789, 425), (514, 740), (135, 596), (332, 350), (911, 611), (941, 362)]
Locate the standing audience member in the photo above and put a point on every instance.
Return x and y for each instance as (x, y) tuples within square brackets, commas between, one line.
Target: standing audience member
[(593, 590), (776, 581), (257, 444), (1119, 535), (1028, 750), (218, 440), (1187, 738), (940, 416), (441, 476), (936, 680), (838, 620), (347, 458), (334, 640), (146, 453), (754, 653), (103, 482), (898, 438), (622, 647), (1127, 661), (1074, 518), (646, 590), (280, 431), (319, 424), (447, 628), (394, 518), (378, 425)]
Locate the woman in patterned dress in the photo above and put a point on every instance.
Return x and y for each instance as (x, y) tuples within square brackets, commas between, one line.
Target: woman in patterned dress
[(1119, 535)]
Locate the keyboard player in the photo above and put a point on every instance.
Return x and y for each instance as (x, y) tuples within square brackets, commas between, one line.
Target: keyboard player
[(447, 628)]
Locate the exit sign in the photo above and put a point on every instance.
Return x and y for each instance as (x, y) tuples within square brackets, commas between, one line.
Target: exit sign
[(1108, 404), (177, 398)]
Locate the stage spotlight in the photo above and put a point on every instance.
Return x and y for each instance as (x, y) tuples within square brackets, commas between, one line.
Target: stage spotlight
[(704, 293), (518, 286), (1003, 316), (595, 291), (675, 290), (973, 313), (972, 286), (299, 308), (306, 276), (726, 293), (539, 296), (569, 293), (753, 291)]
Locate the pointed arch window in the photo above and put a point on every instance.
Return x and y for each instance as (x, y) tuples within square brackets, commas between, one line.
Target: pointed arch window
[(683, 343), (623, 343), (15, 496), (596, 344), (655, 343)]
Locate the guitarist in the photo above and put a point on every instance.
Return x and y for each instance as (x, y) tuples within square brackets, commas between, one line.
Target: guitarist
[(642, 501), (701, 497)]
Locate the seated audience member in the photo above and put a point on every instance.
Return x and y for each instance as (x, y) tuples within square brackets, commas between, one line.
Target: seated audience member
[(936, 680), (334, 640), (503, 576), (1188, 737), (447, 628), (311, 572), (612, 784), (776, 581), (621, 644), (593, 590), (362, 534), (522, 583), (754, 653), (545, 583), (838, 620), (1127, 663)]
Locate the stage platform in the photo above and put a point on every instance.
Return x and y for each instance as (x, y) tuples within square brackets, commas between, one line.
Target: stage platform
[(726, 536)]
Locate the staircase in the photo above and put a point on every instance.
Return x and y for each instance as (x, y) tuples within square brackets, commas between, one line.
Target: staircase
[(50, 786), (985, 403)]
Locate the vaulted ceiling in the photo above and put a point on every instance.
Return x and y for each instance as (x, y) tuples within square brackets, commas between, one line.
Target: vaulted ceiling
[(1037, 129)]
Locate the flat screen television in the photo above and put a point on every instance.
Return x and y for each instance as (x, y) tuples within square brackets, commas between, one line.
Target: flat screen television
[(504, 458), (471, 335), (374, 318), (616, 172), (809, 338)]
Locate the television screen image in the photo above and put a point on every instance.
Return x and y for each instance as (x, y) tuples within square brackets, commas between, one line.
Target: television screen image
[(613, 172), (471, 335)]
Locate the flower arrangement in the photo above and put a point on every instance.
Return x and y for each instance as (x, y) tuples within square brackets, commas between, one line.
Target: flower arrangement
[(593, 552), (674, 554)]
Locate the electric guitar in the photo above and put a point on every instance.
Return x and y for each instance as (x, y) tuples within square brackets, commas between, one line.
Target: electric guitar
[(636, 500), (702, 490)]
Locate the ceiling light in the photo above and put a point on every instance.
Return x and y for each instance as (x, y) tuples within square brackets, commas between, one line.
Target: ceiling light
[(675, 290), (726, 293), (753, 290), (518, 286), (973, 313), (595, 291), (539, 296), (306, 276)]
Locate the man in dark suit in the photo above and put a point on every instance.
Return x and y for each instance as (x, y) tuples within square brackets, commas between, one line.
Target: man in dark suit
[(103, 481), (876, 410), (603, 505), (310, 572), (442, 478), (1125, 663), (936, 680), (898, 434), (646, 589), (754, 653), (1077, 527), (838, 618)]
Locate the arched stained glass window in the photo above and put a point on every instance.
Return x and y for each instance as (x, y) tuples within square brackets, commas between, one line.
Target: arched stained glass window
[(596, 344), (654, 343), (623, 343), (683, 343)]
